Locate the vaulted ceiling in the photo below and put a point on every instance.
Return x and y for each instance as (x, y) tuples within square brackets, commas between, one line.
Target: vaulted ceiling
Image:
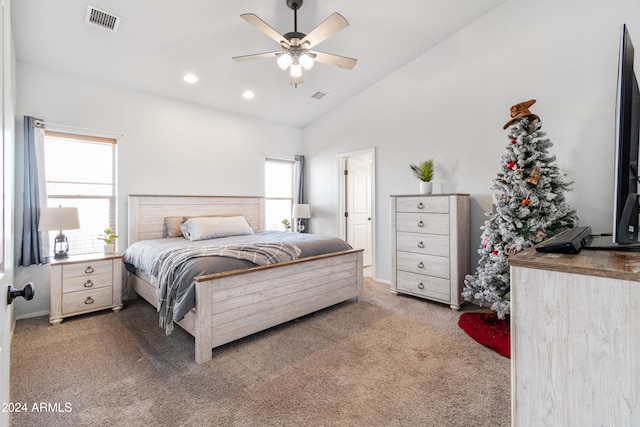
[(157, 42)]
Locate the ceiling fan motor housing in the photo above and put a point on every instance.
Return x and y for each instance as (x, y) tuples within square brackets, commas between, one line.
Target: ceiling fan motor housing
[(294, 35), (294, 4)]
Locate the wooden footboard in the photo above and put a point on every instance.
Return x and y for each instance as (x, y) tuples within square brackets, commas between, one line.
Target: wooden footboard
[(236, 304)]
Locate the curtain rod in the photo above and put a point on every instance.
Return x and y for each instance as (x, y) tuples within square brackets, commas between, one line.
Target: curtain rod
[(99, 131)]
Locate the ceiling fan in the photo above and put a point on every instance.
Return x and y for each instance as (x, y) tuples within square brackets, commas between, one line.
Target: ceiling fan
[(295, 52)]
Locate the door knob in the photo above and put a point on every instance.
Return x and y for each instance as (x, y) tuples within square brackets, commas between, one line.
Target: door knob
[(27, 292)]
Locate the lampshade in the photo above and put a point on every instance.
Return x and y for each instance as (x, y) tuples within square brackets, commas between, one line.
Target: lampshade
[(301, 211), (306, 61), (58, 219), (296, 70), (284, 61)]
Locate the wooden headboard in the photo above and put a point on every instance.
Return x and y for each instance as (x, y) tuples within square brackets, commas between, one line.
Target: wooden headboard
[(147, 213)]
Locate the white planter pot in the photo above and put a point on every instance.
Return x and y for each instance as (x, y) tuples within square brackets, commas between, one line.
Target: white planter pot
[(109, 249), (426, 187)]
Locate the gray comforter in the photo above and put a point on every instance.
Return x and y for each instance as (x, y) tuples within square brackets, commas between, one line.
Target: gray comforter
[(143, 256)]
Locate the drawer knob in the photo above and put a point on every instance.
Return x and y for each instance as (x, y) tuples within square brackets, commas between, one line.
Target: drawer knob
[(420, 264), (420, 223), (89, 270), (420, 285), (88, 284), (421, 245), (420, 206), (89, 300)]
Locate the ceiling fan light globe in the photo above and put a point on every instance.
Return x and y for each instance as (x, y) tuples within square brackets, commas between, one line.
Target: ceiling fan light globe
[(284, 61), (306, 61), (296, 70)]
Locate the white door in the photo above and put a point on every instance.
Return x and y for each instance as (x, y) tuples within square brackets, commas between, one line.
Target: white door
[(6, 223), (358, 204)]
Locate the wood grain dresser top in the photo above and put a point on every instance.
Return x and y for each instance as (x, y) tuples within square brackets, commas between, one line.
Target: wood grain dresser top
[(624, 265)]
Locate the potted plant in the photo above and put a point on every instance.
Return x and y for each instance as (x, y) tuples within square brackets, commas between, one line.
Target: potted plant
[(424, 172), (287, 224), (109, 238)]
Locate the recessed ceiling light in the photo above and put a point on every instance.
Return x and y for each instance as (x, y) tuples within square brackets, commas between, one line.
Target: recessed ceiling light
[(190, 78), (248, 95)]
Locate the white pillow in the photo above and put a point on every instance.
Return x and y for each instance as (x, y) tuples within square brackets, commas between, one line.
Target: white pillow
[(203, 228)]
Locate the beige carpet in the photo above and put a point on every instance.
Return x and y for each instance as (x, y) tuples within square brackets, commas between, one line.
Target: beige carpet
[(389, 360)]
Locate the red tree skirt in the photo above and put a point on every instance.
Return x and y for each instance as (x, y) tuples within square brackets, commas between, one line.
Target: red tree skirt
[(488, 330)]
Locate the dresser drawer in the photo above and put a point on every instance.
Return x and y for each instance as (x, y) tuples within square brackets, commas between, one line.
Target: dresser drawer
[(93, 281), (87, 269), (423, 264), (428, 244), (89, 300), (427, 286), (434, 204), (423, 223)]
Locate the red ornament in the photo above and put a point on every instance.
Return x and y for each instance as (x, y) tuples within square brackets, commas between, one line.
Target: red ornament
[(525, 202), (495, 253), (510, 165), (513, 140)]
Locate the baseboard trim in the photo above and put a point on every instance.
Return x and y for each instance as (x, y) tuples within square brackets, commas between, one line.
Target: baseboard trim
[(36, 314)]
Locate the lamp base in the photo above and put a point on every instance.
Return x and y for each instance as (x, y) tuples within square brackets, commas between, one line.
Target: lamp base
[(61, 246)]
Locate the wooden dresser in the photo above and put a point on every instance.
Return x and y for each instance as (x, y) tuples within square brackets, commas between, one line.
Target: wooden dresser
[(430, 246), (85, 283), (575, 339)]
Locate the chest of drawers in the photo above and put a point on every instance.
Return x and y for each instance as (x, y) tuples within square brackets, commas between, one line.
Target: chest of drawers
[(430, 246), (82, 284)]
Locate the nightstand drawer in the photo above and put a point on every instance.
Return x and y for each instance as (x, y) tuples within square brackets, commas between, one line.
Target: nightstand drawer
[(423, 264), (87, 268), (428, 286), (432, 204), (423, 223), (429, 244), (74, 284), (90, 300)]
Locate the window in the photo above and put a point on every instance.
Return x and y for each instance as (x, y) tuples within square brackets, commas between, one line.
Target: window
[(278, 192), (80, 172)]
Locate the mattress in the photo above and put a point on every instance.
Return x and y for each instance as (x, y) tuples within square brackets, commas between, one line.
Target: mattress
[(140, 256)]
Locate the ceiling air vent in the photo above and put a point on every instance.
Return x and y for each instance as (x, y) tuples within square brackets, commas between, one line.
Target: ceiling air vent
[(318, 95), (102, 18)]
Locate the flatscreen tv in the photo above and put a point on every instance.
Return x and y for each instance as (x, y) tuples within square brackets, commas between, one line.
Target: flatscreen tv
[(625, 225), (627, 116)]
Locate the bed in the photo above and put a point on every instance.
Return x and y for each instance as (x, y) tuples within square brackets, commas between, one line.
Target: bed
[(233, 304)]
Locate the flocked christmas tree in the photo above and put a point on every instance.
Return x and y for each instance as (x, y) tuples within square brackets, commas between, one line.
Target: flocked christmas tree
[(529, 207)]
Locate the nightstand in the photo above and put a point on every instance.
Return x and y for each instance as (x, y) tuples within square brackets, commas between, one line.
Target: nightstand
[(85, 283)]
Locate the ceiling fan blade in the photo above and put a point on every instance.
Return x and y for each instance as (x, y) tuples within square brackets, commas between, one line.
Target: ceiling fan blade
[(265, 28), (257, 56), (326, 29), (336, 60)]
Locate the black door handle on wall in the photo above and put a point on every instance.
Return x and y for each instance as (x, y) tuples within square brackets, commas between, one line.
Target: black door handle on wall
[(27, 292)]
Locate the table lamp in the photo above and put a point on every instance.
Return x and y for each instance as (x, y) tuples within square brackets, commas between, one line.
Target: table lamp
[(300, 212), (59, 219)]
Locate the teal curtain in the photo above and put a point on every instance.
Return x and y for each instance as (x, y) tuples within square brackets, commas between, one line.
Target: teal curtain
[(300, 192), (35, 249)]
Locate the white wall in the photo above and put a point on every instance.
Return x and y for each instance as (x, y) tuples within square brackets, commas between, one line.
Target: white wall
[(166, 147), (450, 105)]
